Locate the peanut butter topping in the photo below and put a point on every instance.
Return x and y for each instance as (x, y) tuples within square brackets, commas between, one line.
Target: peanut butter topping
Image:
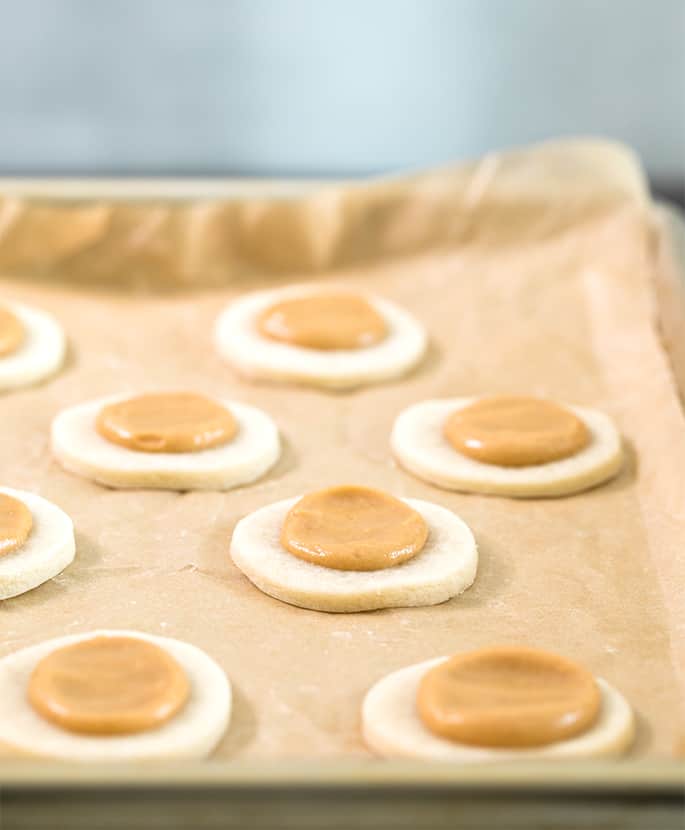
[(324, 321), (508, 697), (11, 332), (353, 529), (516, 431), (167, 422), (16, 522), (108, 686)]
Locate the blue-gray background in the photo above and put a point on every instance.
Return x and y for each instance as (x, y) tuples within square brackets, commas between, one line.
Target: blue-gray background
[(331, 86)]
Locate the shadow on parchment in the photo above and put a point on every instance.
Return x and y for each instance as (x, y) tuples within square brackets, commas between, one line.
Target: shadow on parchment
[(242, 728)]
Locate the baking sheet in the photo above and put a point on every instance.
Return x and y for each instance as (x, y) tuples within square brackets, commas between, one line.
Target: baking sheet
[(559, 303)]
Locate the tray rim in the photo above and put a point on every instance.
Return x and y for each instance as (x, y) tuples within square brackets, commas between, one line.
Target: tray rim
[(650, 776), (84, 188)]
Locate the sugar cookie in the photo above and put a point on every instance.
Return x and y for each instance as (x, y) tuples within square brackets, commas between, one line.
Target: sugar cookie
[(37, 353), (444, 567), (393, 728), (81, 449), (420, 446), (251, 352), (190, 734), (47, 551)]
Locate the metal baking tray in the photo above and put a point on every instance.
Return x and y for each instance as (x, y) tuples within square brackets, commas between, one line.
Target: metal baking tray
[(646, 794)]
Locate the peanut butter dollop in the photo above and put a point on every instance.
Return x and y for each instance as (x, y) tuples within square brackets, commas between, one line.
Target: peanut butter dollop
[(16, 522), (323, 321), (353, 529), (508, 697), (11, 332), (516, 431), (167, 422), (108, 686)]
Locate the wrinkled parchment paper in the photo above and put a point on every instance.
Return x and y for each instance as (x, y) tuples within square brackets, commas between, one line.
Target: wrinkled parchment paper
[(533, 273)]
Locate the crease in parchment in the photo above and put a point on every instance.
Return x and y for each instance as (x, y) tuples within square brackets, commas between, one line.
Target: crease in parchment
[(645, 394), (167, 243)]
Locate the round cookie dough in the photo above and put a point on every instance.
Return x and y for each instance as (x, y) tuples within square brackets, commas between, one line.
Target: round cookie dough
[(80, 449), (50, 547), (191, 734), (256, 356), (445, 566), (420, 447), (40, 353), (392, 727)]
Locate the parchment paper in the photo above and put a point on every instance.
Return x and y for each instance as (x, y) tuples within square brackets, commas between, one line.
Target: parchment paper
[(534, 276)]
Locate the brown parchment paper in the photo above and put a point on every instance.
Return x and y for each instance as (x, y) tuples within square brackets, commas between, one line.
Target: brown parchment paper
[(533, 273), (215, 233)]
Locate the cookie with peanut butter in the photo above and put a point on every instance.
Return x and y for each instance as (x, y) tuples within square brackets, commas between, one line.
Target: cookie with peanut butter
[(36, 541), (323, 336), (510, 445), (32, 345), (177, 440), (353, 548), (496, 704), (112, 696)]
